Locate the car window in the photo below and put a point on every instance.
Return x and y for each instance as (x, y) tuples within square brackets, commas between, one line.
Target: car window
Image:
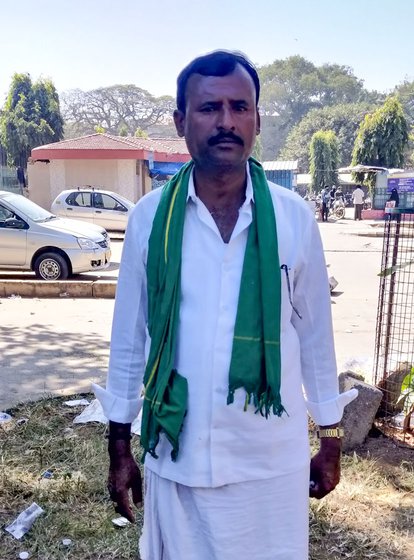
[(107, 202), (5, 213), (79, 199)]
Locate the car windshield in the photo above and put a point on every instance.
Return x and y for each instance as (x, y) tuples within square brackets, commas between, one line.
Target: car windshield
[(29, 208), (125, 201)]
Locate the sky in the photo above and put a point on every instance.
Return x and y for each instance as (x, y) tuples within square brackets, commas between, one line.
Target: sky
[(88, 44)]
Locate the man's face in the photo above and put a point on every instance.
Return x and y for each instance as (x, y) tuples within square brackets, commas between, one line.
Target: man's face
[(221, 119)]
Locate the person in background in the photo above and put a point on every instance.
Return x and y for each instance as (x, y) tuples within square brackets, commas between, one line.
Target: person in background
[(332, 195), (339, 195), (394, 196), (358, 200), (325, 197), (226, 274)]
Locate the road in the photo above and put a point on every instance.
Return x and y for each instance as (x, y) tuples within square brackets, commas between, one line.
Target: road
[(58, 346)]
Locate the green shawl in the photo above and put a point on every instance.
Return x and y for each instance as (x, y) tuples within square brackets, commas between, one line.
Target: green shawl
[(255, 361)]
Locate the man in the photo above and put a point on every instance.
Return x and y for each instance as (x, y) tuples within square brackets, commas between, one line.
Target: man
[(325, 197), (227, 272), (332, 194), (358, 200)]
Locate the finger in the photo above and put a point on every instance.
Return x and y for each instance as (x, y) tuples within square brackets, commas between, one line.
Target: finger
[(125, 510), (121, 502), (137, 494)]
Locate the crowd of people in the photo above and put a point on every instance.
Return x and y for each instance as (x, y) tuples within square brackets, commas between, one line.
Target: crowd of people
[(334, 197)]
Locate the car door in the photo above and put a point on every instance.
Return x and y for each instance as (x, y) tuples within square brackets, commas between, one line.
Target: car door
[(13, 238), (78, 205), (109, 212)]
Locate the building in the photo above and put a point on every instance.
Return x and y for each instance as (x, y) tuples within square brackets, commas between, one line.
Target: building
[(125, 165), (281, 172)]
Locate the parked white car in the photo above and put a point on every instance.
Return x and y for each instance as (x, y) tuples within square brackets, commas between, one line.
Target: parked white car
[(31, 238), (105, 208)]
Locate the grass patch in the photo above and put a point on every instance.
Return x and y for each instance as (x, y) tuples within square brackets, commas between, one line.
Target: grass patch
[(370, 515)]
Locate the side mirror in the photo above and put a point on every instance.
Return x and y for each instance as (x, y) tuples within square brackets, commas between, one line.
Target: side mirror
[(14, 223)]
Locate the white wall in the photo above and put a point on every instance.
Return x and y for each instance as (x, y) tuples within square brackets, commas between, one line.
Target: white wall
[(47, 180), (38, 175)]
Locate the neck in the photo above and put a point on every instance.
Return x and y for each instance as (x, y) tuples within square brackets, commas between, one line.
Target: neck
[(220, 187)]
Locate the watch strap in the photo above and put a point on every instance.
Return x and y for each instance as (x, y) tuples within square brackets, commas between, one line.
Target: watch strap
[(330, 433)]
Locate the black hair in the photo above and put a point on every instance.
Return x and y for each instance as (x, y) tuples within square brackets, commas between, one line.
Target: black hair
[(216, 63)]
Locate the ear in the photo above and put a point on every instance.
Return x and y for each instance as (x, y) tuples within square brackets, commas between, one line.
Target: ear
[(257, 122), (179, 121)]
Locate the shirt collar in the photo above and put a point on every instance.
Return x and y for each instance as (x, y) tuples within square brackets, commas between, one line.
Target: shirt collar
[(191, 195)]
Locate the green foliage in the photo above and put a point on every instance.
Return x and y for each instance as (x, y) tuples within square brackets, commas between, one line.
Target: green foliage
[(99, 129), (381, 140), (323, 159), (405, 93), (408, 382), (407, 395), (123, 130), (343, 119), (294, 86), (258, 149), (139, 133), (30, 117), (392, 269)]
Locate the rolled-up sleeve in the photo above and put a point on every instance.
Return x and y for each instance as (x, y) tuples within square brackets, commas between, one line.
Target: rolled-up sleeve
[(121, 401), (314, 328)]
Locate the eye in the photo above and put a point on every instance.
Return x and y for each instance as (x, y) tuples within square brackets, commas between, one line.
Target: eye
[(207, 109)]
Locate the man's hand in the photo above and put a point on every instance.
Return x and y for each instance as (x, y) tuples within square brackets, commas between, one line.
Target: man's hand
[(325, 470), (124, 475)]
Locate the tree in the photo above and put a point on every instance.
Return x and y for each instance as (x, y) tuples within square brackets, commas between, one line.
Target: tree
[(405, 92), (139, 133), (30, 117), (293, 86), (382, 139), (115, 108), (343, 119), (323, 159), (123, 130), (258, 149)]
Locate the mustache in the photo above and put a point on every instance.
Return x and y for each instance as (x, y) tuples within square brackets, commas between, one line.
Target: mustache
[(225, 136)]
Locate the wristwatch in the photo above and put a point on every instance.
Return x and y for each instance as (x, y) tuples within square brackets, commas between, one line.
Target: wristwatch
[(330, 432)]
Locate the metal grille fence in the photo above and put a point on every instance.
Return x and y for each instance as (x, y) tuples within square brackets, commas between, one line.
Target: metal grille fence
[(394, 348)]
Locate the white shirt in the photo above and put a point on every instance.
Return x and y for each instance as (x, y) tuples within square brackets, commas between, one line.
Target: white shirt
[(220, 443), (358, 196)]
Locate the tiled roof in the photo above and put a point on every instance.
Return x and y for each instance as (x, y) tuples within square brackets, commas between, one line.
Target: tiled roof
[(109, 142)]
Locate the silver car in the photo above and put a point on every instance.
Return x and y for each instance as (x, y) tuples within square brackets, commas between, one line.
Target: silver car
[(97, 206), (32, 238)]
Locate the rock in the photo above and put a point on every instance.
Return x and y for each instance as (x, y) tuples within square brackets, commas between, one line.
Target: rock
[(359, 414)]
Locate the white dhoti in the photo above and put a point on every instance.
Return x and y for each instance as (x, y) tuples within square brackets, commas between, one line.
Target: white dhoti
[(261, 519)]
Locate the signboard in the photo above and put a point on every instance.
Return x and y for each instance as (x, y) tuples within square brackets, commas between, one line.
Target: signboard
[(402, 184)]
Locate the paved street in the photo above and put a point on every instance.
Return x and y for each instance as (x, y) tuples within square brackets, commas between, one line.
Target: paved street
[(60, 345)]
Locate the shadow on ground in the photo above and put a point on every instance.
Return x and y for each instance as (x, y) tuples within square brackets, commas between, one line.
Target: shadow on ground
[(41, 361)]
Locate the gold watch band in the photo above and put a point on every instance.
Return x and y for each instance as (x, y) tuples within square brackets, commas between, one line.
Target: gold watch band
[(330, 432)]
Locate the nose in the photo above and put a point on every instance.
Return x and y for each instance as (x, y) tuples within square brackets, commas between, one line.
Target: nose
[(225, 119)]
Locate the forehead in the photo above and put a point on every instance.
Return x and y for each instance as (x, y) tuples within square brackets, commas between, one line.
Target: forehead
[(235, 86)]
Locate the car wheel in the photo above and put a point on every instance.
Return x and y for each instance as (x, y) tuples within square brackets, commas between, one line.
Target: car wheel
[(51, 266)]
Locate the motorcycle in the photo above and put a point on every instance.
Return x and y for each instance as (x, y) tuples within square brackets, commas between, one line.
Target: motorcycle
[(337, 209)]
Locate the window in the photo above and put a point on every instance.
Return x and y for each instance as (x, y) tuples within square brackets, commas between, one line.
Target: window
[(79, 199), (107, 202)]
